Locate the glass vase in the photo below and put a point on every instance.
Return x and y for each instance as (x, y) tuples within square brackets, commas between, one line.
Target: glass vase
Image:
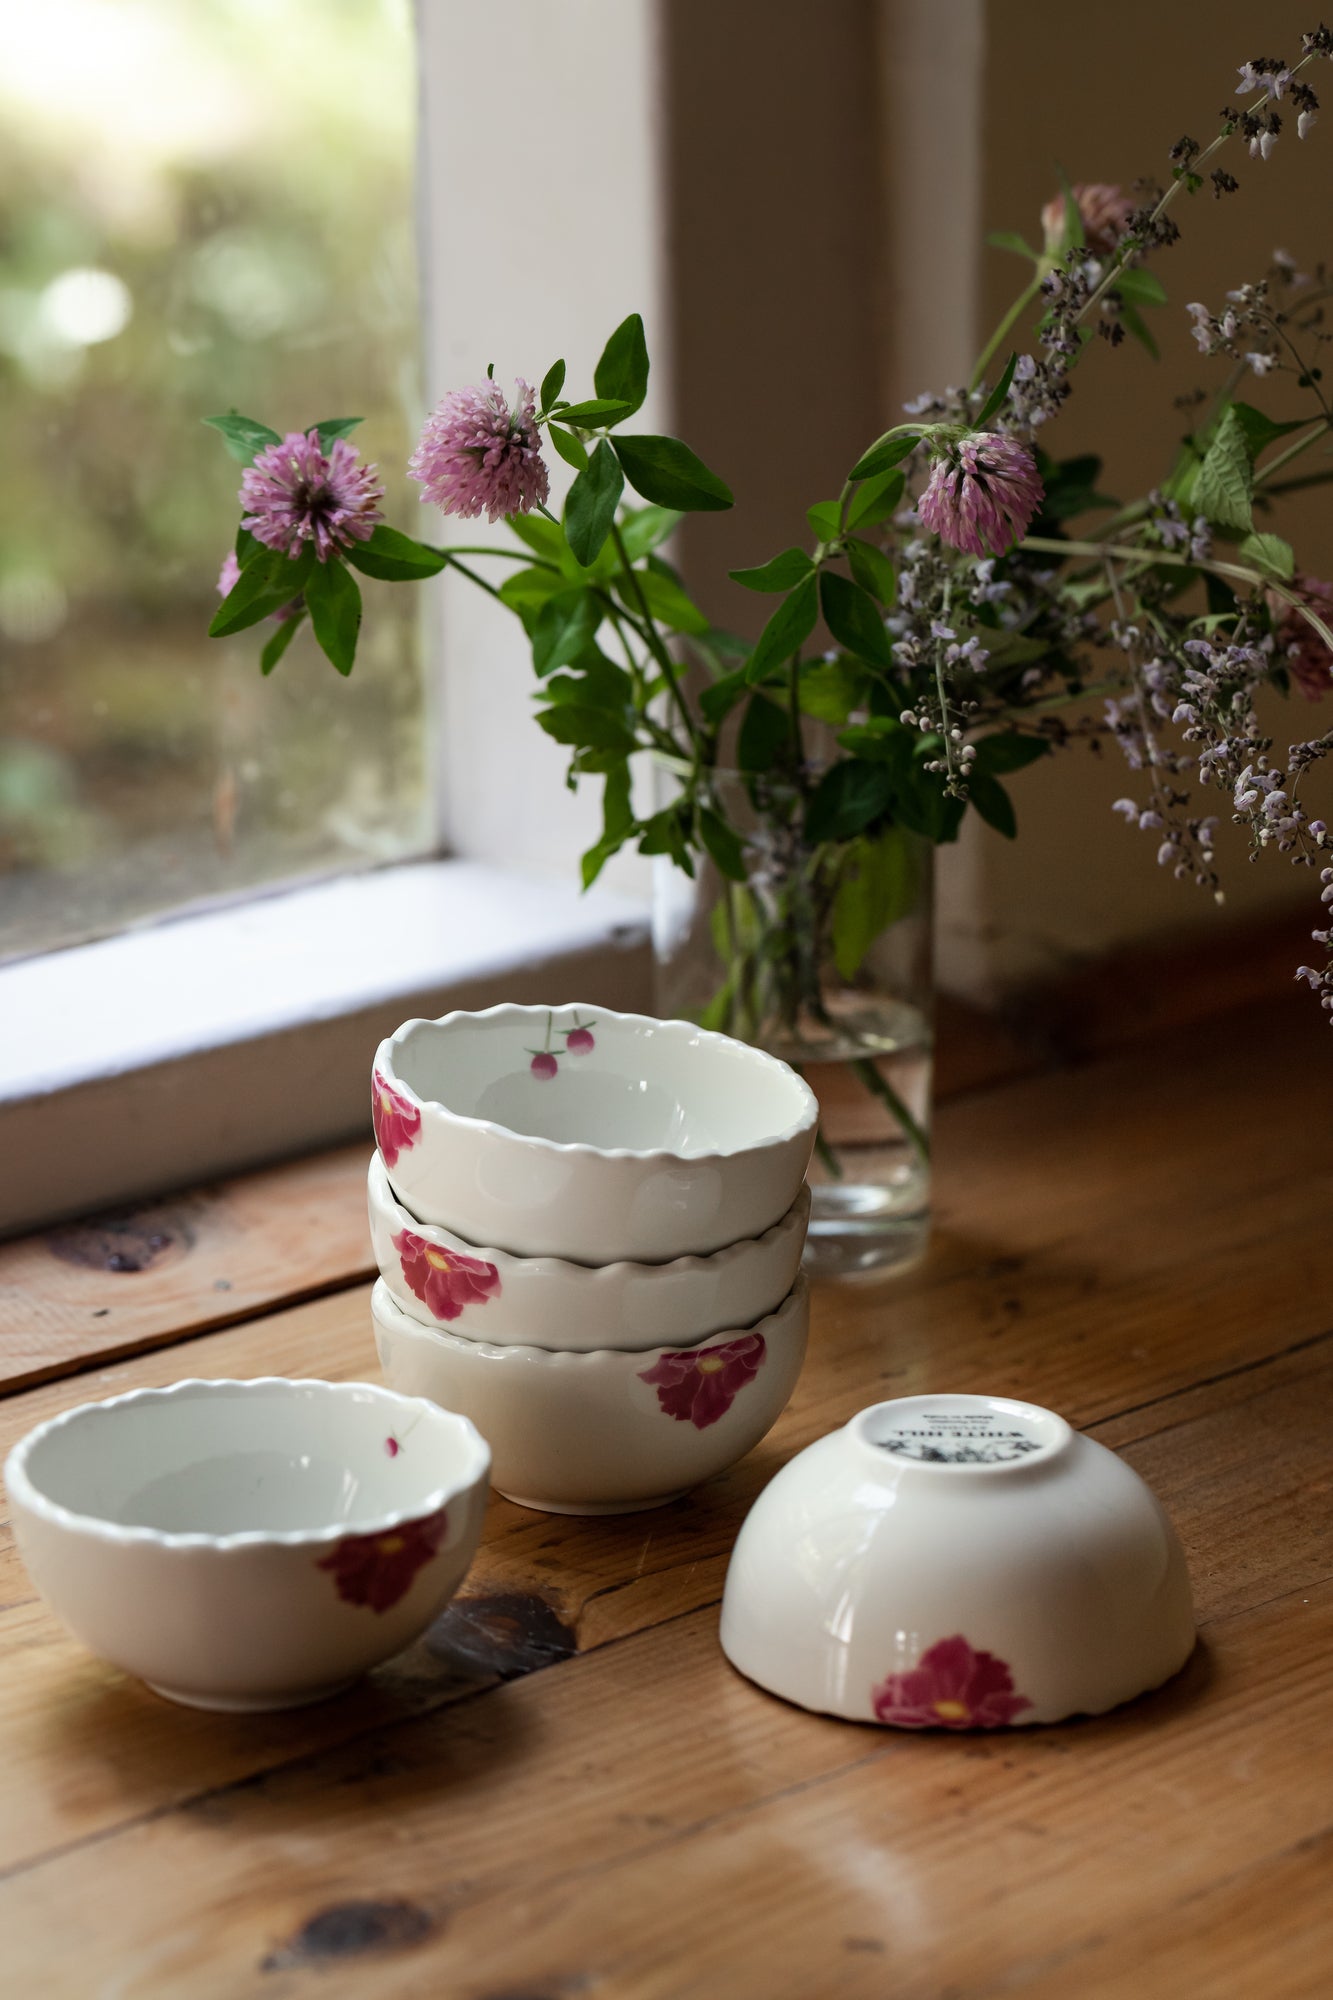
[(821, 955)]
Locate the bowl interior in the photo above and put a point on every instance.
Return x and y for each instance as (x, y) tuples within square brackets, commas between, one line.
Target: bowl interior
[(577, 1076), (232, 1458)]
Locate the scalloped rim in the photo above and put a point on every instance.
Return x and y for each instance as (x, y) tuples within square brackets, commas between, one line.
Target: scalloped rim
[(757, 1058), (19, 1484), (390, 1314), (601, 1274)]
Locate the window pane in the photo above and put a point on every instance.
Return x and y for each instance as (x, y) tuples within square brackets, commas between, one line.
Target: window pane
[(200, 206)]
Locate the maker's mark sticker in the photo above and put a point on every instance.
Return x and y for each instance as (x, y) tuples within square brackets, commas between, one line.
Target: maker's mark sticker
[(959, 1437)]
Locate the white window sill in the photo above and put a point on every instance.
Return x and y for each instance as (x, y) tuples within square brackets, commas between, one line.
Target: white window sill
[(198, 1047)]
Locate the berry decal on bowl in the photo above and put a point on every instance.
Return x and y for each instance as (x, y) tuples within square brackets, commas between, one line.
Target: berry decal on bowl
[(378, 1570), (700, 1384), (951, 1687), (578, 1040), (397, 1123), (445, 1280)]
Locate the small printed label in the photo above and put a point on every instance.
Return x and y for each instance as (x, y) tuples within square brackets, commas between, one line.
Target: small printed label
[(959, 1437)]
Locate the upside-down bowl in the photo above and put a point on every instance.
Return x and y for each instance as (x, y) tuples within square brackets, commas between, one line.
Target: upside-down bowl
[(957, 1562)]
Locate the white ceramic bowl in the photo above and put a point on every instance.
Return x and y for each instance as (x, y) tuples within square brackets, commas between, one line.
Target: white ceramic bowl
[(610, 1432), (579, 1133), (959, 1562), (249, 1545), (442, 1280)]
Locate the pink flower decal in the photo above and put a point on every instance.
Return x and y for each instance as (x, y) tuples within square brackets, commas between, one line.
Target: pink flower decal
[(378, 1570), (397, 1122), (444, 1280), (951, 1687), (544, 1064), (700, 1384), (579, 1040)]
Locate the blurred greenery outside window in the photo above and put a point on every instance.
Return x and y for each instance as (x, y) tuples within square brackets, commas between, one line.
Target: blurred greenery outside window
[(201, 205)]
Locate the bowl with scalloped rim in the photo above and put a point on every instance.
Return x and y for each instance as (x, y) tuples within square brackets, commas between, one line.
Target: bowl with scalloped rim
[(590, 1135), (249, 1545)]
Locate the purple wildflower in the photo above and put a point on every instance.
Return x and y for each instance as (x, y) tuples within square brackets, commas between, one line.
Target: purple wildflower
[(982, 494), (298, 494), (476, 455)]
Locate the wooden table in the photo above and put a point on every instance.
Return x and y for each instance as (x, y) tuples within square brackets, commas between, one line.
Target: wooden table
[(565, 1793)]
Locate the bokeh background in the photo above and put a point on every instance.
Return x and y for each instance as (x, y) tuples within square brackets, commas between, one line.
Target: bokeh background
[(200, 206)]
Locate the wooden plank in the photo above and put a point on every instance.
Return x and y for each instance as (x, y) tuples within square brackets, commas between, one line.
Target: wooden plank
[(141, 1278), (711, 1842)]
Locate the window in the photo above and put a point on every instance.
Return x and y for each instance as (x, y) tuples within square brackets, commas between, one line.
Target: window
[(200, 205)]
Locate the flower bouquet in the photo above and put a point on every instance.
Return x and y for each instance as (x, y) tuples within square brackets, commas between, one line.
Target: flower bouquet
[(965, 601)]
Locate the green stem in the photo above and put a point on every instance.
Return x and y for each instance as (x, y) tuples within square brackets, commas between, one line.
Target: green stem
[(1293, 450), (1015, 312), (828, 1159), (471, 575), (647, 627), (879, 1086), (1234, 572)]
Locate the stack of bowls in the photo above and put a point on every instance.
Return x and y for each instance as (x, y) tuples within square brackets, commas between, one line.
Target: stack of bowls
[(589, 1229)]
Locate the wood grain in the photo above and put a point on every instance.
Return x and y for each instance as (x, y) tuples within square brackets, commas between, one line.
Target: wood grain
[(564, 1790)]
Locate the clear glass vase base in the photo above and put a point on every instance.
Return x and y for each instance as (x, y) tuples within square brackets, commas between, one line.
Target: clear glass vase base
[(863, 1231)]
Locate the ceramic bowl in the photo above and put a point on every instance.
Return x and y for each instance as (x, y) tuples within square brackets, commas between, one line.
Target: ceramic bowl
[(442, 1280), (249, 1545), (961, 1562), (608, 1432), (578, 1133)]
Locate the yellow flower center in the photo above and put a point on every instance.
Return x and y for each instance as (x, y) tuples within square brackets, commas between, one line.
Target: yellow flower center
[(437, 1260), (951, 1711), (391, 1544), (709, 1365), (386, 1102)]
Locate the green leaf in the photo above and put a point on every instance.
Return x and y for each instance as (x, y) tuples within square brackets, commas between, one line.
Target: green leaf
[(664, 470), (553, 381), (596, 412), (831, 689), (565, 624), (764, 740), (825, 520), (263, 587), (622, 372), (723, 845), (334, 428), (876, 886), (545, 538), (1008, 751), (395, 558), (281, 640), (786, 631), (883, 456), (717, 701), (587, 728), (854, 619), (1270, 554), (881, 740), (993, 803), (333, 600), (665, 833), (1140, 287), (644, 529), (783, 572), (569, 447), (617, 823), (1259, 429), (243, 437), (1225, 483), (997, 394), (595, 681), (1007, 239), (872, 570), (246, 547), (666, 600), (875, 500), (847, 798), (590, 506), (526, 590)]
